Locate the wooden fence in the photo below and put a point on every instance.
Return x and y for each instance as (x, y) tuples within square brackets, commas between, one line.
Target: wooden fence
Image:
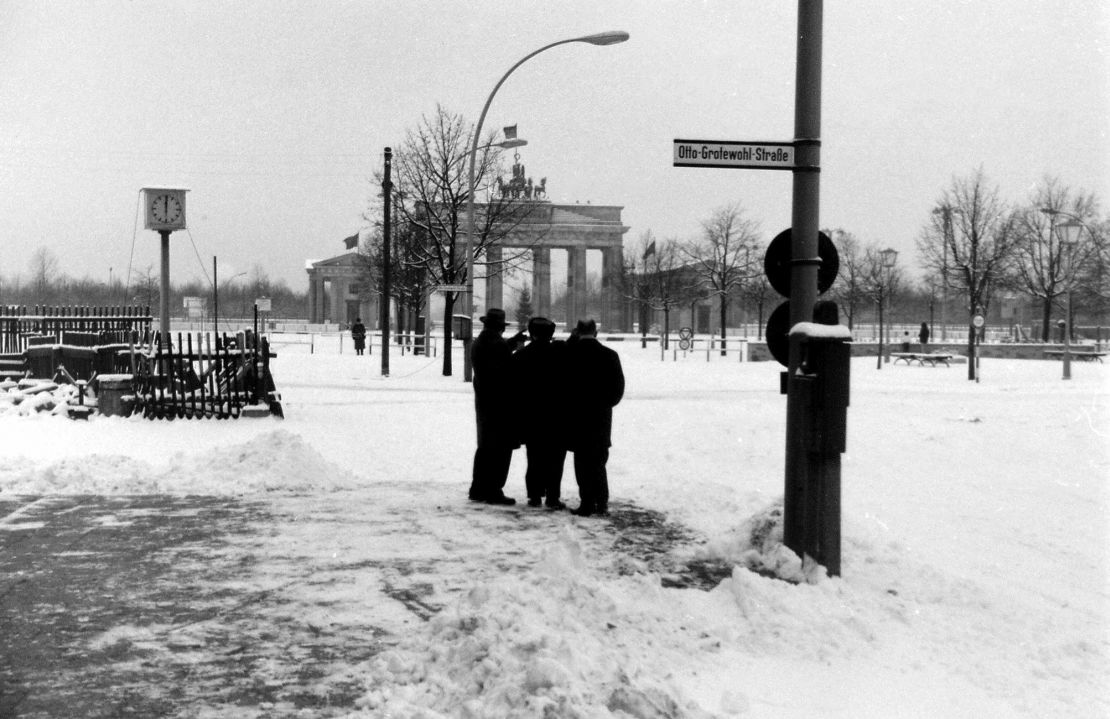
[(110, 325), (209, 378)]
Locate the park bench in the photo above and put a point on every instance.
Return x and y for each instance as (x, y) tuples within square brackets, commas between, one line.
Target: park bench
[(922, 358), (1083, 355)]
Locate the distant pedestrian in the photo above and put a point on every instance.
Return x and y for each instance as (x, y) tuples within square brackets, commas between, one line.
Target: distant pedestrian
[(495, 392), (595, 384), (906, 341), (358, 334), (923, 335), (540, 370)]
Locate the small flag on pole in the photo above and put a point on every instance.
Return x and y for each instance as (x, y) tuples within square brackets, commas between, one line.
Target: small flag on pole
[(510, 132), (650, 250)]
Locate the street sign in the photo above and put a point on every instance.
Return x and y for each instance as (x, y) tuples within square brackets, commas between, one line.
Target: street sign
[(450, 288), (263, 304), (977, 320), (726, 153)]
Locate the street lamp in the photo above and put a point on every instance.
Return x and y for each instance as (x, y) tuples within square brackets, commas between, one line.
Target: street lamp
[(1068, 232), (1069, 239), (887, 258), (605, 38), (945, 212)]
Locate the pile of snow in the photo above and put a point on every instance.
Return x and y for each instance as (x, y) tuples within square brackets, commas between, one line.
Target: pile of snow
[(276, 460)]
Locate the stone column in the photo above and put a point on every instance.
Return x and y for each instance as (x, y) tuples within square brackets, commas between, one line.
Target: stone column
[(610, 292), (311, 298), (322, 300), (494, 285), (576, 285), (541, 281)]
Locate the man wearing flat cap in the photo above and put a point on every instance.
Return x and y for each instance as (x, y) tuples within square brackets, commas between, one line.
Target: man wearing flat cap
[(493, 403)]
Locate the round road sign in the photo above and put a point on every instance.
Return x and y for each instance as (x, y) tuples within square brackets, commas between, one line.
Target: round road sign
[(977, 320), (686, 333), (776, 263)]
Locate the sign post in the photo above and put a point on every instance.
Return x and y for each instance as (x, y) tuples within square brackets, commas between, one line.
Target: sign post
[(808, 489)]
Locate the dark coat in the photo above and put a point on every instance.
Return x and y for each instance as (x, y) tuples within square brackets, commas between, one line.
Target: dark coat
[(494, 390), (358, 334), (540, 371), (923, 335), (595, 386)]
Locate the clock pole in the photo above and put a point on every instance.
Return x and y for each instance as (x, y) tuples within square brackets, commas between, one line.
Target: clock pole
[(164, 295)]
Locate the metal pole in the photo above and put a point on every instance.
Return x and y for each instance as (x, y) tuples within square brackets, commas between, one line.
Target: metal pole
[(216, 299), (879, 359), (387, 187), (1067, 336), (164, 299), (944, 275), (805, 261)]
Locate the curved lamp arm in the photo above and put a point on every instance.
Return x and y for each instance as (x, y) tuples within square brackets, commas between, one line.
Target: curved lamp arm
[(605, 38)]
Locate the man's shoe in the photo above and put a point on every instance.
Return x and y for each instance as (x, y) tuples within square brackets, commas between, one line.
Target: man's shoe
[(602, 511), (534, 501), (476, 497), (500, 499), (582, 511), (556, 506)]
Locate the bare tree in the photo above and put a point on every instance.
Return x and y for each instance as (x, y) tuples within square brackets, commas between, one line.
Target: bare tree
[(850, 289), (667, 282), (44, 272), (1045, 267), (722, 256), (431, 172), (977, 251), (758, 292)]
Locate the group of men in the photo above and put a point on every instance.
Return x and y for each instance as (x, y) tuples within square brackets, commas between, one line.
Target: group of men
[(552, 396)]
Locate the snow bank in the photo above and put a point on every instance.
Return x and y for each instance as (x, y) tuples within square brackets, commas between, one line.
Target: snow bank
[(276, 460)]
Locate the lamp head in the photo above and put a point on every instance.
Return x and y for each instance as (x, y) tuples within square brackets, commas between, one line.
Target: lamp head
[(605, 38), (1069, 232), (889, 257)]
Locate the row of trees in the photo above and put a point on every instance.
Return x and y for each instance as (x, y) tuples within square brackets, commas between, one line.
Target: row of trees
[(974, 247), (46, 284)]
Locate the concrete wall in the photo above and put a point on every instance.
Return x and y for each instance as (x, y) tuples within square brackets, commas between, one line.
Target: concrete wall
[(758, 350)]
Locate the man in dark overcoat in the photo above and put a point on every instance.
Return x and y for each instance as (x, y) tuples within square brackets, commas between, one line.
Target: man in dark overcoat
[(540, 368), (596, 384), (494, 391)]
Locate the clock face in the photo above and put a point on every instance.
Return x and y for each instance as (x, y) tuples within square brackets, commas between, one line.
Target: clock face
[(166, 209)]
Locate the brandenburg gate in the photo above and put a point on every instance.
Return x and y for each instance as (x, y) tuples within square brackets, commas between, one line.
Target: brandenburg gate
[(575, 228)]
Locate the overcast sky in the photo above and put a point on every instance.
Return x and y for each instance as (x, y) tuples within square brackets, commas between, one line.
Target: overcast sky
[(274, 114)]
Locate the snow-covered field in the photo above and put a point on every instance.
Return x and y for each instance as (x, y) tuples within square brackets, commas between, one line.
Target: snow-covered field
[(975, 578)]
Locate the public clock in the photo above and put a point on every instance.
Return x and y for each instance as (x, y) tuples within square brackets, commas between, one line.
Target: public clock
[(165, 208)]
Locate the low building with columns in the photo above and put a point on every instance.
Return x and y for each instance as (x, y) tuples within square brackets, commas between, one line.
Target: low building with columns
[(338, 291)]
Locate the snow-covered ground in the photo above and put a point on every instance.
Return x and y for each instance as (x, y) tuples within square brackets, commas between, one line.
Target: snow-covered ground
[(975, 578)]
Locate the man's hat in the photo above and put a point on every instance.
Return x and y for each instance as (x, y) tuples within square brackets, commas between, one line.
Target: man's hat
[(493, 316), (586, 328)]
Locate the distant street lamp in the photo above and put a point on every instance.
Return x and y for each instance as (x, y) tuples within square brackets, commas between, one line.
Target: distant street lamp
[(1068, 232), (1069, 240), (605, 38), (945, 211), (887, 259)]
